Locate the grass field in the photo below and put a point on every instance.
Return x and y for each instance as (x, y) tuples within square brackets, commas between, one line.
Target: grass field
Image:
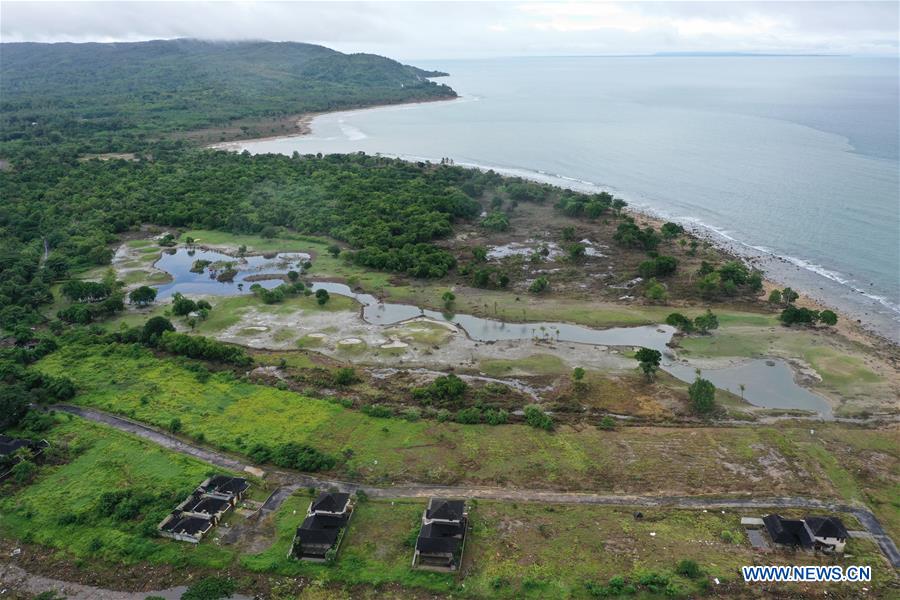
[(233, 414), (60, 508)]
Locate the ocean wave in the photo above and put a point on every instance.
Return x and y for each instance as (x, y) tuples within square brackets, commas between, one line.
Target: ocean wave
[(354, 134)]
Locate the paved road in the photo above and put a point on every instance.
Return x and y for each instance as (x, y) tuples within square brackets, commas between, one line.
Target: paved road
[(292, 481)]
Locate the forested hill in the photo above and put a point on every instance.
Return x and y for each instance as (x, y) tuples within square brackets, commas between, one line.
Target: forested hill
[(112, 96)]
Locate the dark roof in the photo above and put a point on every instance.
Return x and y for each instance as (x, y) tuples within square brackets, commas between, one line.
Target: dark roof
[(831, 527), (439, 538), (445, 510), (331, 502), (9, 445), (440, 545), (207, 505), (323, 522), (317, 536), (225, 484), (442, 530), (790, 532), (188, 525)]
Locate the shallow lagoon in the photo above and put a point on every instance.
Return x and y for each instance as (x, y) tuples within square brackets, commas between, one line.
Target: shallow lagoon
[(768, 383)]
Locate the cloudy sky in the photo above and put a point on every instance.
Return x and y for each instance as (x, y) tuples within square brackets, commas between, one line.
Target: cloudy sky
[(411, 30)]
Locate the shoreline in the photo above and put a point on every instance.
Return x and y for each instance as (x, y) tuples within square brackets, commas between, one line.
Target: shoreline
[(853, 323)]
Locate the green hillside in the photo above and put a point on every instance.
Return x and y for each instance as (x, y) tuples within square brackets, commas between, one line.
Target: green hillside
[(111, 94)]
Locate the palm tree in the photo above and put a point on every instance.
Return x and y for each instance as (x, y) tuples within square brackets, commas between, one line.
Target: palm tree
[(743, 387)]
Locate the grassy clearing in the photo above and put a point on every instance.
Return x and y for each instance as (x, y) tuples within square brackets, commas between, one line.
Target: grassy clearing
[(841, 364), (106, 461), (536, 364), (421, 332), (374, 550), (553, 551), (872, 460), (233, 414)]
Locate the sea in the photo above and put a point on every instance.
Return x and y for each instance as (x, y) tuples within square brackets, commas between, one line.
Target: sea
[(791, 161)]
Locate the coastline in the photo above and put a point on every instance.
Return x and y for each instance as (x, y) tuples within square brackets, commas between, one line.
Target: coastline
[(777, 270)]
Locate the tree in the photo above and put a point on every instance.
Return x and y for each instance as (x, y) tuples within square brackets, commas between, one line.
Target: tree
[(181, 305), (775, 297), (293, 276), (322, 296), (479, 254), (448, 297), (334, 250), (828, 317), (681, 322), (142, 296), (648, 360), (703, 395), (175, 425), (789, 296), (706, 322), (154, 328), (578, 374)]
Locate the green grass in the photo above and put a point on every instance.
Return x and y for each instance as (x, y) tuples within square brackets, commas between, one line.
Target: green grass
[(536, 364), (106, 460), (839, 363), (373, 550), (233, 415)]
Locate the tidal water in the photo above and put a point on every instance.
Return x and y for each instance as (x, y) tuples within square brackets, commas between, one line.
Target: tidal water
[(792, 161)]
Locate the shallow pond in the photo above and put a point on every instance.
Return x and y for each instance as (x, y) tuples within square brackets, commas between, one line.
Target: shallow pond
[(178, 264), (768, 383)]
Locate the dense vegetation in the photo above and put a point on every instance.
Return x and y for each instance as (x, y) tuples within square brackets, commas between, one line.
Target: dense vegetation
[(112, 97), (387, 210)]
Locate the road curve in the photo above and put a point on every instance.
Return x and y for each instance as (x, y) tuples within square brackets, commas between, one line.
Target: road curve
[(291, 481)]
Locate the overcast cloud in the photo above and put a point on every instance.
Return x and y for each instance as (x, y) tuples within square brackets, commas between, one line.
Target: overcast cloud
[(417, 30)]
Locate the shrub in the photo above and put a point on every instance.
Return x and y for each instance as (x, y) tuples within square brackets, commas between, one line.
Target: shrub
[(802, 315), (301, 457), (345, 376), (688, 568), (607, 422), (468, 416), (23, 472), (661, 266), (656, 291), (680, 322), (210, 588), (539, 285), (828, 317), (536, 417), (496, 221), (205, 348), (444, 389)]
